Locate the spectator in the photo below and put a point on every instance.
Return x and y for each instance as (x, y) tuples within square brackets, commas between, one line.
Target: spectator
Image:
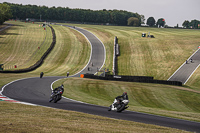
[(41, 74)]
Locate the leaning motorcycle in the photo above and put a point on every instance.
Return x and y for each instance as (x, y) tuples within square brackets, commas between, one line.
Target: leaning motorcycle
[(56, 96), (121, 105)]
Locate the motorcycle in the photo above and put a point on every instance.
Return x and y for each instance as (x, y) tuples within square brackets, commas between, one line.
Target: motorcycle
[(56, 96), (119, 105)]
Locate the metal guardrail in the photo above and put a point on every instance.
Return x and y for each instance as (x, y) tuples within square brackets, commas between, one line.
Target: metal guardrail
[(115, 54)]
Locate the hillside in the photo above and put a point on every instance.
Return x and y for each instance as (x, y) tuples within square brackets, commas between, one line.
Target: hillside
[(158, 57)]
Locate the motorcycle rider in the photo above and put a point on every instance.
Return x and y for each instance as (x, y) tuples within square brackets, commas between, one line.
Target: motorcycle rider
[(60, 88), (124, 96)]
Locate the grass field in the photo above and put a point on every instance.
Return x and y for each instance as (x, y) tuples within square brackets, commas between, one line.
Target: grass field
[(158, 57), (70, 54), (20, 45), (17, 118), (165, 100)]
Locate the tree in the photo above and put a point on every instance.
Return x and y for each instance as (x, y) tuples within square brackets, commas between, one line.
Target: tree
[(161, 22), (117, 17), (194, 24), (186, 24), (142, 19), (133, 21), (151, 21), (5, 12)]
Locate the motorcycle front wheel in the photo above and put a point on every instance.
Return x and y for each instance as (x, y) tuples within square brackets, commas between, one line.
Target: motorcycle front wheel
[(55, 99), (121, 108)]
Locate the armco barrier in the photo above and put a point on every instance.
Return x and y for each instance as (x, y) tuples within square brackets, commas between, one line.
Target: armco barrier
[(39, 62), (115, 54), (143, 79)]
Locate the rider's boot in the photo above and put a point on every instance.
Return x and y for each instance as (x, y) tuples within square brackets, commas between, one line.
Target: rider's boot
[(110, 108), (126, 107)]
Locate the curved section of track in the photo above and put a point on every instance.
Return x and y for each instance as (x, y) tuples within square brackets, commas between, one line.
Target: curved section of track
[(37, 91)]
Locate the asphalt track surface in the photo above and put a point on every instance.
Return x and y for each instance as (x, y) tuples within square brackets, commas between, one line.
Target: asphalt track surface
[(186, 70), (37, 91), (9, 25)]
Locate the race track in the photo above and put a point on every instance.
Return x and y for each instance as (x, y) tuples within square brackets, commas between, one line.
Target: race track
[(185, 71), (37, 91)]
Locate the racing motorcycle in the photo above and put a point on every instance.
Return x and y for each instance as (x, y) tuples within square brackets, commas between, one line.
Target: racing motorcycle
[(119, 105), (56, 96)]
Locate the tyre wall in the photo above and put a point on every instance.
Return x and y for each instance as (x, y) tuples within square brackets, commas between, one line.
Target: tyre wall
[(143, 79)]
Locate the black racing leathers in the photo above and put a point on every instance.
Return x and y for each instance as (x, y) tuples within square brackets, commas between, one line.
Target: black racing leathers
[(120, 98)]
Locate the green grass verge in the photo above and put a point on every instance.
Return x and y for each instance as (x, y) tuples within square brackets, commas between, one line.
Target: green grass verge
[(20, 47), (19, 44), (165, 100), (158, 57), (70, 54)]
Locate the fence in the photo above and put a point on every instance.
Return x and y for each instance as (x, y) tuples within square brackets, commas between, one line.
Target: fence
[(143, 79), (115, 54)]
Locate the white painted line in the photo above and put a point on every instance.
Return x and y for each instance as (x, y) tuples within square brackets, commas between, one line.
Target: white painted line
[(90, 52), (9, 99), (91, 47), (191, 74), (11, 83), (182, 65), (85, 66), (57, 79)]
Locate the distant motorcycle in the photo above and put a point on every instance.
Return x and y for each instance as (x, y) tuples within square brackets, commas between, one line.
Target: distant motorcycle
[(121, 105), (56, 96)]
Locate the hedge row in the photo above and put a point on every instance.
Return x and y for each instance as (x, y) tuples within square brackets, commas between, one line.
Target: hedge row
[(143, 79), (39, 62)]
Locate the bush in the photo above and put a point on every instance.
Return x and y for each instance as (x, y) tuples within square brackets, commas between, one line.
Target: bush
[(133, 21)]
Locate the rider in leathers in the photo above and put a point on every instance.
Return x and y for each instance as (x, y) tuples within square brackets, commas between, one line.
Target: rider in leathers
[(60, 88), (124, 96)]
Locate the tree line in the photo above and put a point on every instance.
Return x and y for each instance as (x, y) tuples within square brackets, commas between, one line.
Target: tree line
[(117, 17), (194, 24), (152, 22), (5, 13)]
